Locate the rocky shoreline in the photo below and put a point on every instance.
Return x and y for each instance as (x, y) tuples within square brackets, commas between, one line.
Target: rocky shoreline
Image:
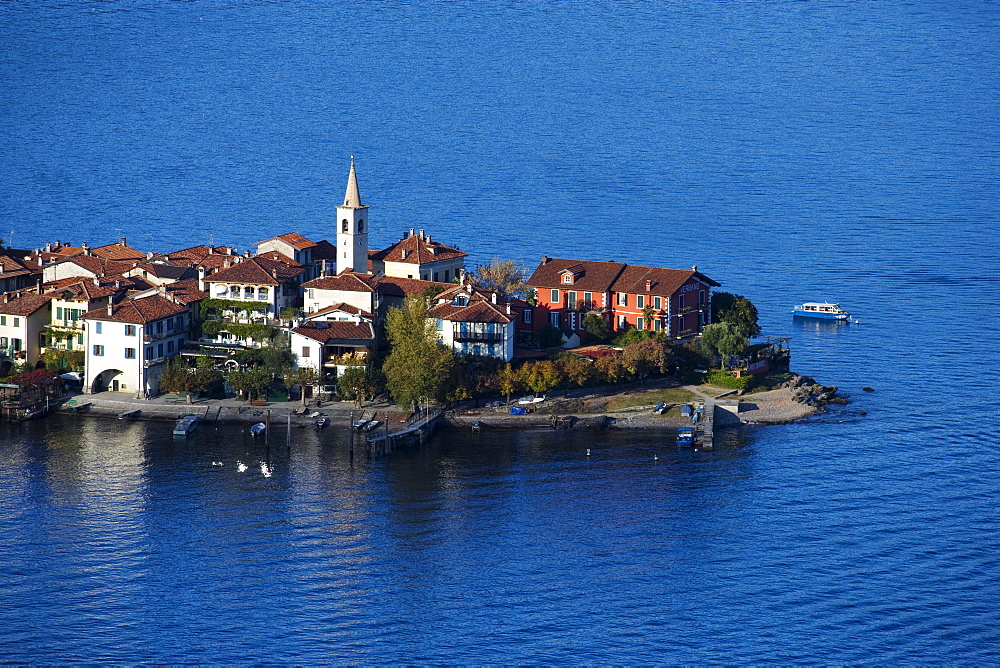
[(796, 400)]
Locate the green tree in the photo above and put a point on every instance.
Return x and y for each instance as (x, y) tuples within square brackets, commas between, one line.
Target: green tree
[(597, 327), (723, 340), (646, 356), (505, 277), (302, 377), (576, 369), (204, 378), (610, 368), (539, 377), (174, 377), (507, 380), (353, 384), (250, 383), (418, 365), (737, 311), (647, 317)]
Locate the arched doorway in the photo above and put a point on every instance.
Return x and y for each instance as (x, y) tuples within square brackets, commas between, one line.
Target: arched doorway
[(106, 381), (6, 367)]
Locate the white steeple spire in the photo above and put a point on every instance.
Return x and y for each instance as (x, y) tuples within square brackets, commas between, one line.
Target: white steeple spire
[(352, 197)]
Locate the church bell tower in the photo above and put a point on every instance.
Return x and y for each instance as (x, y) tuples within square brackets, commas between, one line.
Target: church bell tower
[(352, 229)]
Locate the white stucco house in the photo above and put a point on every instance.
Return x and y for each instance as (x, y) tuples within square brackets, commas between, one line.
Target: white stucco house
[(474, 322), (128, 343)]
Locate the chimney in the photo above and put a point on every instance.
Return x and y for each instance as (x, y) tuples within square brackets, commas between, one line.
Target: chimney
[(649, 285), (110, 308), (201, 278), (411, 232), (149, 255), (545, 260), (405, 253), (122, 242), (246, 253), (428, 239), (97, 281), (508, 308), (461, 276), (58, 244), (694, 267), (48, 247), (421, 234), (494, 298)]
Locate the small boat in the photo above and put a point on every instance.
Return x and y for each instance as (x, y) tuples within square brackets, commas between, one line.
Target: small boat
[(660, 407), (185, 425), (822, 310), (359, 424), (321, 422), (257, 429), (128, 415), (685, 436), (370, 425), (685, 411)]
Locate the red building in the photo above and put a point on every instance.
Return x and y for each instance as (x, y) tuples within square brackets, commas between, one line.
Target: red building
[(674, 301)]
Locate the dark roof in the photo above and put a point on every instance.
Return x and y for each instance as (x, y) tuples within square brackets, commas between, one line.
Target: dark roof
[(663, 282), (415, 249), (165, 270), (324, 250), (594, 276), (138, 311), (25, 305), (346, 308), (387, 285), (589, 275), (335, 330)]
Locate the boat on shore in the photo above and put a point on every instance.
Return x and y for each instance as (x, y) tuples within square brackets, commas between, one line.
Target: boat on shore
[(821, 310), (321, 422), (186, 425)]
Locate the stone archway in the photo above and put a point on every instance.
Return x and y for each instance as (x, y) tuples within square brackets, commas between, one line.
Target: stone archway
[(107, 380)]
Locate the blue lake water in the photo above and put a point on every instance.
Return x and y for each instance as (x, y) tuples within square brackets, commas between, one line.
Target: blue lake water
[(792, 150)]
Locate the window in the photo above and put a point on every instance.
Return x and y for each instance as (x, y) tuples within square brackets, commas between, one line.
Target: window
[(17, 322), (343, 225), (424, 277), (439, 323), (129, 330), (554, 296), (639, 323), (312, 293), (58, 314), (170, 324), (79, 339), (622, 299), (571, 300), (98, 351), (657, 303), (234, 291), (170, 347), (17, 345), (656, 324), (640, 302), (622, 322), (680, 302), (445, 275), (3, 341), (97, 327), (554, 319), (149, 352), (435, 277), (247, 292), (361, 226), (159, 350), (262, 294), (130, 353), (159, 327), (588, 300), (567, 278), (3, 320), (305, 351), (527, 316), (701, 297)]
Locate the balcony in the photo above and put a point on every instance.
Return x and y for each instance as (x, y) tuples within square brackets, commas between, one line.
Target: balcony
[(477, 337)]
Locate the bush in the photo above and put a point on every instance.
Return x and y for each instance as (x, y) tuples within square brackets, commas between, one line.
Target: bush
[(720, 378)]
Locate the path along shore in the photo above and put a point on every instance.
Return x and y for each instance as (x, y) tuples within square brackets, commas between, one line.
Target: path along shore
[(579, 409)]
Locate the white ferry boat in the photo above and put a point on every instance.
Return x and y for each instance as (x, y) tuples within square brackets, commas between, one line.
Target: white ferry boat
[(823, 310)]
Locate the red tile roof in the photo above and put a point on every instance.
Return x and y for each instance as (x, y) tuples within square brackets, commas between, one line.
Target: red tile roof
[(293, 239), (118, 251), (25, 305), (138, 311), (327, 332), (257, 271), (476, 311), (414, 249), (186, 291)]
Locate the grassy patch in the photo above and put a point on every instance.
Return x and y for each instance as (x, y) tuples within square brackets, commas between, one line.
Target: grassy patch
[(671, 395)]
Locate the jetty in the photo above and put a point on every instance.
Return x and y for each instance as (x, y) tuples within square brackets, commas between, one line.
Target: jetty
[(417, 428)]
